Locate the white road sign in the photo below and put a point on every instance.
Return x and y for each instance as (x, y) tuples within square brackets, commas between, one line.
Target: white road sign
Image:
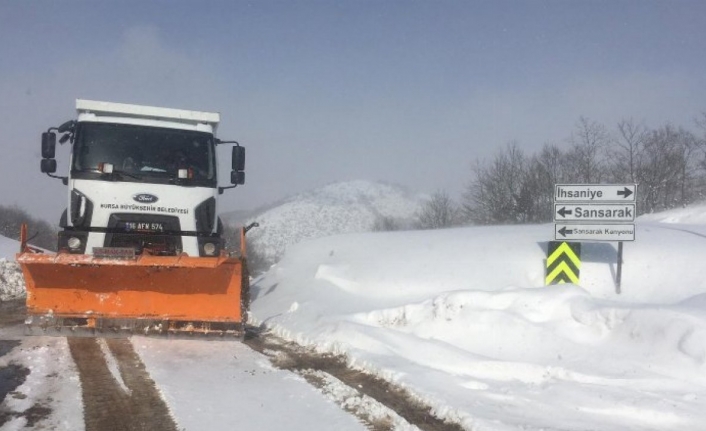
[(594, 212), (594, 232), (594, 193)]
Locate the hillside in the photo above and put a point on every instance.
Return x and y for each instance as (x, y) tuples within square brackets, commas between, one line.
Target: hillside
[(338, 208)]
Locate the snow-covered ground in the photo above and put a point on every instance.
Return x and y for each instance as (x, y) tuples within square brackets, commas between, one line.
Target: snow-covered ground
[(694, 214), (461, 317)]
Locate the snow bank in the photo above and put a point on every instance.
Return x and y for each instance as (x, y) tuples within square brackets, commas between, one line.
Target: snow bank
[(462, 318), (12, 284)]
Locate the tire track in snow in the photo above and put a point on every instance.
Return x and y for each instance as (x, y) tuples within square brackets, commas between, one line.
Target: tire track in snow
[(679, 230), (107, 405), (316, 367)]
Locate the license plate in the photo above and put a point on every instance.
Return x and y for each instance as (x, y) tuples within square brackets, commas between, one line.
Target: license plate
[(114, 252), (143, 226)]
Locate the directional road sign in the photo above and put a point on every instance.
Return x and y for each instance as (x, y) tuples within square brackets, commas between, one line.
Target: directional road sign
[(594, 212), (594, 232), (594, 193), (563, 262)]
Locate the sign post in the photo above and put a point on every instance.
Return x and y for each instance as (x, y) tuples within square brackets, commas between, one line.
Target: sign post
[(596, 212), (619, 270)]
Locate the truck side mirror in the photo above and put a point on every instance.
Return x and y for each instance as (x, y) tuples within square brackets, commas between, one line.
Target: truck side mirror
[(238, 158), (237, 177), (48, 166), (48, 146)]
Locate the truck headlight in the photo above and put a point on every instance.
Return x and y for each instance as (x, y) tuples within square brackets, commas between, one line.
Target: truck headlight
[(74, 243), (209, 248), (81, 210)]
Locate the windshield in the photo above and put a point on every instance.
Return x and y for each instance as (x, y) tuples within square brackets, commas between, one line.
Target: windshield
[(146, 154)]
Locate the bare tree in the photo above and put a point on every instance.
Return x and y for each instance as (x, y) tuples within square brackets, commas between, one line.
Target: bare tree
[(585, 160), (627, 151), (537, 191), (384, 223), (668, 164), (701, 156), (690, 180), (495, 193), (670, 171), (438, 212)]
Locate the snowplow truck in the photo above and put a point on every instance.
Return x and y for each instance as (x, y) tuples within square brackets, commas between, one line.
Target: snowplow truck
[(140, 246)]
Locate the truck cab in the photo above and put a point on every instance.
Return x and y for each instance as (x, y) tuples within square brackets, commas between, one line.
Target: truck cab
[(141, 179)]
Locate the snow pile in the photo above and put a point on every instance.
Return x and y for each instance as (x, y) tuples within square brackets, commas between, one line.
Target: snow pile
[(334, 209), (12, 284), (462, 318)]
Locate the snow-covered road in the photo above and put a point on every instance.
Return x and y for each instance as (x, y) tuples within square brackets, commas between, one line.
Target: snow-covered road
[(160, 384)]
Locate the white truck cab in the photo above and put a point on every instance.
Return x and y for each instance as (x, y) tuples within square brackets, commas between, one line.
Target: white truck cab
[(141, 178)]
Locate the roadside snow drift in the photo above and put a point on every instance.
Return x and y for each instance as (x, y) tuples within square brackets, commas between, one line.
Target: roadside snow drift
[(462, 319)]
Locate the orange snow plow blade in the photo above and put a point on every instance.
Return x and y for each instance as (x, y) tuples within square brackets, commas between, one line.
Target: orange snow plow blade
[(169, 293)]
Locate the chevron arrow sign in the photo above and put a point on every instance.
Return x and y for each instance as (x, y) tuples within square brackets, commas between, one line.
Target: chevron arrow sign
[(563, 262)]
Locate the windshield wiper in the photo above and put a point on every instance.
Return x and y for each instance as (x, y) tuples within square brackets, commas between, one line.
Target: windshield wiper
[(118, 174)]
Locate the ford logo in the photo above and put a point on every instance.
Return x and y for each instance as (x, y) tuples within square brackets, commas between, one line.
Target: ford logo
[(145, 198)]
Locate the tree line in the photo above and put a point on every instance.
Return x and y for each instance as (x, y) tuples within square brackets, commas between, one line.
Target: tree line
[(667, 163)]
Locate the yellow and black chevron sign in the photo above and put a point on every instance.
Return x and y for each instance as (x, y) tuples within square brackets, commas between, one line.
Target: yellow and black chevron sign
[(563, 262)]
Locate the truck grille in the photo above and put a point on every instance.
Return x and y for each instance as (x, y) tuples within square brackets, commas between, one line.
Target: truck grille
[(159, 234)]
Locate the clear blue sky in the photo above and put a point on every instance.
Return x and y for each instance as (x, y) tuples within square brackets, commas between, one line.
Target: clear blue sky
[(409, 92)]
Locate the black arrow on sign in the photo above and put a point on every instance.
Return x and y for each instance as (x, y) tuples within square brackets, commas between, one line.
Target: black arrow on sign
[(625, 192), (564, 231), (564, 212)]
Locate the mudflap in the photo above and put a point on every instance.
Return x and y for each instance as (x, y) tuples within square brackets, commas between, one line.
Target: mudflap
[(159, 293)]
